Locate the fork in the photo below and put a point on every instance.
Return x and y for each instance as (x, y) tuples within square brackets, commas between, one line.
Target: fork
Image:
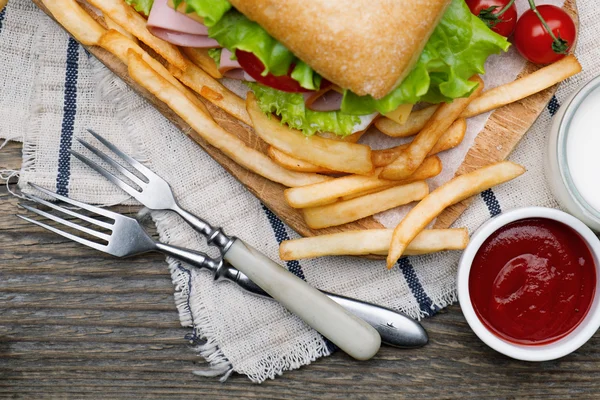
[(395, 328), (348, 332)]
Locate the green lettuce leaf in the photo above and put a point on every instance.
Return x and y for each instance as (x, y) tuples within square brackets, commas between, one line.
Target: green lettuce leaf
[(211, 11), (143, 6), (306, 76), (235, 31), (292, 111), (215, 54), (456, 50)]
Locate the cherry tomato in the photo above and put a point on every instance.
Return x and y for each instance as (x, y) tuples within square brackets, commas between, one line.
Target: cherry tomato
[(254, 67), (535, 43), (504, 24)]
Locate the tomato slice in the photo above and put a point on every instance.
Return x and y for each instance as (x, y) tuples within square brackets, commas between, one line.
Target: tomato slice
[(254, 67)]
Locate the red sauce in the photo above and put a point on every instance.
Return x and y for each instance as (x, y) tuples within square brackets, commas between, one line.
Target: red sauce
[(532, 281)]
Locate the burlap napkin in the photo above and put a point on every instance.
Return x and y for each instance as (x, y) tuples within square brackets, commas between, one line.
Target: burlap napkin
[(51, 90)]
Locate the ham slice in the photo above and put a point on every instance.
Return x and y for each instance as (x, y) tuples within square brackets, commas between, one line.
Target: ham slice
[(177, 28), (231, 68), (238, 74), (327, 99), (226, 63)]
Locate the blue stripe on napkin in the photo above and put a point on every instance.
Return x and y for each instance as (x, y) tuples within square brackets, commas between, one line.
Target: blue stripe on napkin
[(69, 111), (281, 235), (2, 14), (553, 105), (425, 303), (491, 202)]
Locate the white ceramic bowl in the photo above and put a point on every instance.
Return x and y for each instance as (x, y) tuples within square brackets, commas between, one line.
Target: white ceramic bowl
[(581, 334)]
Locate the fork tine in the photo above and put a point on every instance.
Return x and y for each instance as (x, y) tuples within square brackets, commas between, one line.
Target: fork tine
[(132, 161), (60, 220), (69, 212), (67, 235), (112, 162), (76, 203), (104, 172)]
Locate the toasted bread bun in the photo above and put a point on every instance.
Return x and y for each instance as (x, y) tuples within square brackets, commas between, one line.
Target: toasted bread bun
[(367, 46)]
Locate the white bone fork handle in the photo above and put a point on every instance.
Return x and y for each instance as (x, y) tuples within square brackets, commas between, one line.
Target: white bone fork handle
[(350, 333)]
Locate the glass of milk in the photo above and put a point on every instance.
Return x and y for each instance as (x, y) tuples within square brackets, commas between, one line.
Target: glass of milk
[(573, 155)]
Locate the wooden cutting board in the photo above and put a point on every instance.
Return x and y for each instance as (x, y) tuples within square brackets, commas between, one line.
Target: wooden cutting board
[(503, 131)]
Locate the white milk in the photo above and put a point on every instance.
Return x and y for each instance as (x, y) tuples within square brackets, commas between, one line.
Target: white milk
[(572, 162), (583, 149)]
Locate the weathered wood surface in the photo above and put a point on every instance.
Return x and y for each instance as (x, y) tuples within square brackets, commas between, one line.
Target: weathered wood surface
[(80, 324)]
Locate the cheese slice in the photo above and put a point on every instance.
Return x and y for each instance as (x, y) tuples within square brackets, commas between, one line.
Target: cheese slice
[(400, 114)]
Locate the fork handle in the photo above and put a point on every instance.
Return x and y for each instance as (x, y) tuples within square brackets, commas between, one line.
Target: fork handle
[(214, 236), (350, 333), (395, 328)]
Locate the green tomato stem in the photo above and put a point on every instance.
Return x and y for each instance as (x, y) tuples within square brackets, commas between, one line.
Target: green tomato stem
[(505, 9), (543, 21)]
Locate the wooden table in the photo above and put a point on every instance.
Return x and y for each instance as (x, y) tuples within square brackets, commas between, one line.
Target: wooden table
[(80, 324)]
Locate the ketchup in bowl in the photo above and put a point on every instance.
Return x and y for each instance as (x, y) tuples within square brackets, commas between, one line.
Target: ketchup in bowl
[(532, 281)]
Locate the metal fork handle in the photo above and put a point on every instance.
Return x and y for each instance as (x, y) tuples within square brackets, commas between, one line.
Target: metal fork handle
[(395, 329), (214, 236)]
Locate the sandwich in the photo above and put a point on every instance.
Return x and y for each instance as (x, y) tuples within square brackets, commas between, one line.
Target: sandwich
[(334, 65)]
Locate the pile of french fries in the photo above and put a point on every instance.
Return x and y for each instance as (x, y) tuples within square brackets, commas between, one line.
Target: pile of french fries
[(333, 181)]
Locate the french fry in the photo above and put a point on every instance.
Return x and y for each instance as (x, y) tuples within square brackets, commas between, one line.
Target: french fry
[(432, 166), (119, 45), (380, 158), (495, 98), (347, 211), (135, 24), (533, 83), (371, 241), (370, 191), (76, 20), (352, 186), (207, 87), (205, 128), (201, 58), (330, 191), (295, 164), (451, 138), (355, 137), (116, 27), (332, 154), (458, 189), (3, 4), (411, 157)]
